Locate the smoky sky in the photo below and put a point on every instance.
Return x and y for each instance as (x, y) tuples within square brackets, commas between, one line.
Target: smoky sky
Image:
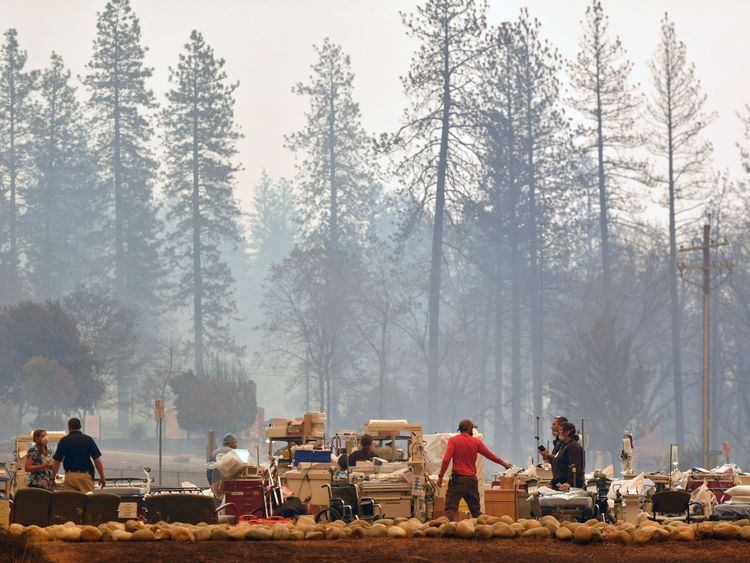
[(268, 48)]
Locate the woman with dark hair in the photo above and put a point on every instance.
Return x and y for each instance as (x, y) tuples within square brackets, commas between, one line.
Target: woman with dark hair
[(568, 465), (38, 465)]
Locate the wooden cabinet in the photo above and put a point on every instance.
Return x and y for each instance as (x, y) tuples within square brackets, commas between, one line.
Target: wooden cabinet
[(500, 502)]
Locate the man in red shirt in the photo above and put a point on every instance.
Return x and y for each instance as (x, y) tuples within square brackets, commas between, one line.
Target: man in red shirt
[(463, 484)]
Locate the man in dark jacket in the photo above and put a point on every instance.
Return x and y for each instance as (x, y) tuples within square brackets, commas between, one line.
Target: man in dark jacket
[(557, 443), (568, 465), (365, 453)]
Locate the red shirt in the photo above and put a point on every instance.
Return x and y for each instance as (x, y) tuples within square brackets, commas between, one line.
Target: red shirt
[(463, 450)]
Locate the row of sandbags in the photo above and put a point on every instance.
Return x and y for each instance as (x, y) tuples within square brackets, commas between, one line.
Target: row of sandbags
[(484, 528)]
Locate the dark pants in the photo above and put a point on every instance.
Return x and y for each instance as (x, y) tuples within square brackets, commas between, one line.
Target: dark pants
[(462, 487)]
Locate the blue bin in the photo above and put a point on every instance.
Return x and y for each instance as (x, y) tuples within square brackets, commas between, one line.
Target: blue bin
[(312, 456)]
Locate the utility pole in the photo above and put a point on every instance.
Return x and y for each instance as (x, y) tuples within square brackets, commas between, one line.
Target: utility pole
[(706, 267)]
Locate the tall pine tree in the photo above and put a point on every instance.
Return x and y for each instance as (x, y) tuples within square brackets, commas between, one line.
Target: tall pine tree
[(546, 153), (121, 107), (608, 104), (17, 109), (62, 204), (434, 142), (200, 141), (337, 200), (678, 120), (272, 225), (503, 213)]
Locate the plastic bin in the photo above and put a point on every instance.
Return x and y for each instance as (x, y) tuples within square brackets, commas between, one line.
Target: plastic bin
[(312, 456)]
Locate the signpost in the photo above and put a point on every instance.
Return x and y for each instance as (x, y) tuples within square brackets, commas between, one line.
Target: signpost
[(159, 415)]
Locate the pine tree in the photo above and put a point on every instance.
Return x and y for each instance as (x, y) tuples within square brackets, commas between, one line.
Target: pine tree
[(337, 200), (608, 104), (121, 107), (337, 190), (61, 204), (504, 198), (200, 139), (17, 109), (547, 150), (435, 143), (678, 120), (271, 221)]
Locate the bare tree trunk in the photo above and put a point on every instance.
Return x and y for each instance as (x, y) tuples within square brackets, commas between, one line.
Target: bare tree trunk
[(433, 351), (515, 355), (515, 271), (383, 360), (333, 258), (484, 353), (534, 283), (117, 172), (498, 345), (123, 390), (679, 417), (603, 203), (45, 285), (322, 377), (197, 270), (15, 279)]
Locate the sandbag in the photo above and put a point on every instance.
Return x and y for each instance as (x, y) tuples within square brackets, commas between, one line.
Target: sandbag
[(503, 530), (582, 534), (396, 532), (541, 532)]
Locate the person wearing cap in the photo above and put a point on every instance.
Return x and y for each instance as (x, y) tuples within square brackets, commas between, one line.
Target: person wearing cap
[(462, 451), (229, 442)]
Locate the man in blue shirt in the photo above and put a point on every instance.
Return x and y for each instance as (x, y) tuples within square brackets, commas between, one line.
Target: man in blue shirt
[(76, 451)]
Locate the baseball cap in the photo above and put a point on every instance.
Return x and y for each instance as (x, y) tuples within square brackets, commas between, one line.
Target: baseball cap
[(466, 425)]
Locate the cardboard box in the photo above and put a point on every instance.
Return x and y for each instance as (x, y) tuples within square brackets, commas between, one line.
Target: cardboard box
[(507, 482), (438, 507), (395, 507)]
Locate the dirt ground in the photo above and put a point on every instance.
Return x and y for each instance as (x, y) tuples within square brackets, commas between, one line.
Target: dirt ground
[(422, 549)]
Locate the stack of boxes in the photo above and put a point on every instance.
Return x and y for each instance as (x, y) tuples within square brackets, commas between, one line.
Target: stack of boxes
[(311, 425)]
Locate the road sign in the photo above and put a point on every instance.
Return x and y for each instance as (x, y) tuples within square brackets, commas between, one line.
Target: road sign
[(159, 409)]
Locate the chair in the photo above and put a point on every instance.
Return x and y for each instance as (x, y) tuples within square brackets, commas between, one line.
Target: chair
[(100, 508), (31, 506), (344, 503), (185, 508), (671, 504), (67, 506)]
